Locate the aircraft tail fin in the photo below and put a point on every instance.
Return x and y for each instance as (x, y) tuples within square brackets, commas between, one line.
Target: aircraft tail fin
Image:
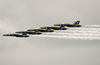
[(76, 22)]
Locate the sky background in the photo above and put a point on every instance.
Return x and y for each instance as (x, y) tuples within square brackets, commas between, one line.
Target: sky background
[(16, 15)]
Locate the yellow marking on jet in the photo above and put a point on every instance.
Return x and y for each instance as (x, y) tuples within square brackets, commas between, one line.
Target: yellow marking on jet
[(9, 35), (63, 23), (50, 28), (21, 32), (78, 20), (36, 28), (24, 30), (24, 35), (55, 26), (70, 23), (75, 20)]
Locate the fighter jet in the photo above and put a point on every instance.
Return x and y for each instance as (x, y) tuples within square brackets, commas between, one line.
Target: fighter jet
[(29, 32), (54, 27), (48, 29), (16, 35), (75, 24), (40, 29)]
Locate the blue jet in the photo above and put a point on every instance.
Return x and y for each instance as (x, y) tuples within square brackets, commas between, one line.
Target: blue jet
[(16, 35), (40, 29), (54, 27), (29, 32), (48, 29), (75, 24)]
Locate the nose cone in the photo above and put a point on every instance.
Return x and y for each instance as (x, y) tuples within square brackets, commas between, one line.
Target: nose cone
[(5, 34), (18, 32)]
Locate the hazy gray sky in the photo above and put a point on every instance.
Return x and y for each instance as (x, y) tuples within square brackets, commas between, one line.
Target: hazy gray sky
[(16, 15)]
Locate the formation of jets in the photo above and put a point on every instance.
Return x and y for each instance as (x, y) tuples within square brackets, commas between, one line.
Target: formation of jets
[(37, 31)]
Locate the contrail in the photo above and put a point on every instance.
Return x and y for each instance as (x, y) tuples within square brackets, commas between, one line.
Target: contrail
[(72, 34), (93, 29), (92, 25), (70, 37), (81, 31), (75, 33)]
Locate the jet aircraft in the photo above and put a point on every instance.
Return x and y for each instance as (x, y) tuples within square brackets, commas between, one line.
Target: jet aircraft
[(16, 35), (75, 24), (29, 32), (54, 27), (41, 29), (48, 28)]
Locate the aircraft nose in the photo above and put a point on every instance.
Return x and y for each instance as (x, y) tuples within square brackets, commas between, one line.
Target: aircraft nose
[(18, 32), (5, 34)]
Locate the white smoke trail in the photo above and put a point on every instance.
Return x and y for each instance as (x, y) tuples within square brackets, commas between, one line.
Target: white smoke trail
[(70, 37), (82, 31), (93, 29), (73, 34), (93, 25)]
